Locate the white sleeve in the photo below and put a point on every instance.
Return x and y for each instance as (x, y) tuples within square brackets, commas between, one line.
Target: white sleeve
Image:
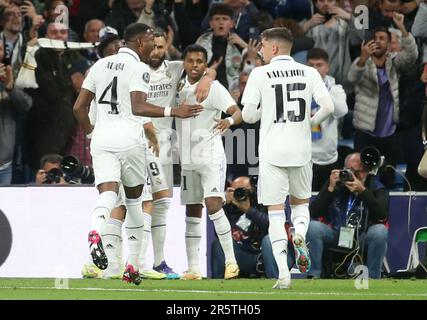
[(89, 81), (250, 113), (92, 112), (326, 108), (140, 78), (339, 99), (219, 97), (319, 87), (252, 93)]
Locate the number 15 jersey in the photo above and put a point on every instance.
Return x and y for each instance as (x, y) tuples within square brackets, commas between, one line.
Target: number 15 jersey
[(112, 79), (284, 88)]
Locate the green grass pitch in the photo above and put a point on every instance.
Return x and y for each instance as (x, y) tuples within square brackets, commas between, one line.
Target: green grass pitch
[(207, 289)]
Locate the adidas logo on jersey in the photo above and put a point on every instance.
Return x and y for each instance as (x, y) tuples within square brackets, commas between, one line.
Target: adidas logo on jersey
[(109, 246), (133, 238), (214, 189)]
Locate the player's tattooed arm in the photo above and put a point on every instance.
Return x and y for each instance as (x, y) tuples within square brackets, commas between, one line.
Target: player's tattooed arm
[(150, 133), (204, 86), (80, 110)]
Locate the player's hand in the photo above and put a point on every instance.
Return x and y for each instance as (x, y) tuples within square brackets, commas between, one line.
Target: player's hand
[(221, 126), (203, 88), (333, 179), (154, 147), (41, 176), (187, 111)]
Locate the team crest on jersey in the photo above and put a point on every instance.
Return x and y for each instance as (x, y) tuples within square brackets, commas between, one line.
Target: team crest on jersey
[(146, 77), (180, 85), (168, 74)]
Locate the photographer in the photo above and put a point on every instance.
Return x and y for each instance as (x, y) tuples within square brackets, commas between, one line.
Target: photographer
[(50, 170), (352, 202), (249, 228)]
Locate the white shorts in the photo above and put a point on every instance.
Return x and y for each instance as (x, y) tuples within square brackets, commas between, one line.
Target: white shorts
[(276, 183), (127, 166), (155, 177), (166, 161), (205, 182)]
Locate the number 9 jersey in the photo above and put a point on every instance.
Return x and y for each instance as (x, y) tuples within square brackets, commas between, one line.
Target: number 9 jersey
[(284, 89), (112, 79)]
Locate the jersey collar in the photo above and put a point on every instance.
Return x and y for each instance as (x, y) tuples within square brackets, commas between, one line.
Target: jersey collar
[(282, 58), (131, 52)]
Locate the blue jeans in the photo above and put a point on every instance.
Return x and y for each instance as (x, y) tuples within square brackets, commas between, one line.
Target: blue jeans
[(6, 175), (247, 261), (374, 242)]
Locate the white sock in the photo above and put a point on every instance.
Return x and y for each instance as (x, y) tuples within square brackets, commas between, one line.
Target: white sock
[(158, 228), (145, 240), (134, 229), (300, 216), (193, 236), (279, 241), (112, 238), (223, 230), (103, 206)]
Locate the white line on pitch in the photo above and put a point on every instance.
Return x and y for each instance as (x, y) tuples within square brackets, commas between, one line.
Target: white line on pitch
[(282, 292)]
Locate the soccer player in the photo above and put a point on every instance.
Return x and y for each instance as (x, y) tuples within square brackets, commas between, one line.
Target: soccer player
[(203, 162), (284, 89), (120, 85)]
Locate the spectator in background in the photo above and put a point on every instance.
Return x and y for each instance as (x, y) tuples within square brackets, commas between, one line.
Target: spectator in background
[(222, 44), (333, 30), (302, 43), (91, 34), (244, 17), (13, 101), (82, 11), (123, 13), (54, 13), (50, 171), (249, 228), (51, 124), (376, 76), (383, 12), (325, 135), (362, 203)]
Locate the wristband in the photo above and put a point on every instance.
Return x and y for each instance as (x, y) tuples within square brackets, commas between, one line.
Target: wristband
[(167, 112), (231, 120), (89, 135)]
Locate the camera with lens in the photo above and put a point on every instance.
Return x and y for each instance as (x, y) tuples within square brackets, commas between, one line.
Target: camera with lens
[(345, 175), (371, 159), (54, 175), (241, 194), (74, 169)]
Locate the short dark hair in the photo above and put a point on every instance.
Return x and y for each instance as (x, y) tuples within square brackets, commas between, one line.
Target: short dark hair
[(50, 158), (160, 34), (221, 9), (381, 29), (135, 29), (105, 41), (279, 33), (317, 53), (195, 48), (48, 3)]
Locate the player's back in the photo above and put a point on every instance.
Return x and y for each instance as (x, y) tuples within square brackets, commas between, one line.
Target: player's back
[(112, 79), (286, 89)]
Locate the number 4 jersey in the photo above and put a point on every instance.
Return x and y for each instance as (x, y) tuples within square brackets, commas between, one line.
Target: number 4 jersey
[(284, 89), (112, 79)]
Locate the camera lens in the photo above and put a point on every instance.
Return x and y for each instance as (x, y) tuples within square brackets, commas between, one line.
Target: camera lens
[(240, 194), (53, 176)]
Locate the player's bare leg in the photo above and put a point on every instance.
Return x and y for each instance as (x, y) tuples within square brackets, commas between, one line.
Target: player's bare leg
[(193, 236), (134, 230), (279, 243), (300, 217), (223, 230), (103, 206)]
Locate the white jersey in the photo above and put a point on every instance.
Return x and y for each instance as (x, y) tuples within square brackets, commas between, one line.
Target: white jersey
[(198, 145), (112, 79), (285, 89), (163, 85)]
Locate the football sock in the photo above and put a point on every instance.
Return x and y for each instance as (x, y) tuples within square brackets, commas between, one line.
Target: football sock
[(145, 240), (134, 229), (223, 230), (193, 236), (103, 206), (279, 241), (300, 216), (112, 238), (158, 228)]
